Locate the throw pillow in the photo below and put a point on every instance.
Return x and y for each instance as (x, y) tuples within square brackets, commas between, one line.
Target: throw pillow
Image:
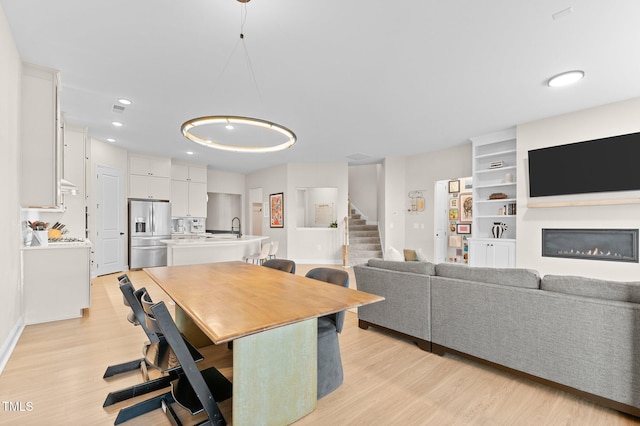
[(420, 256), (393, 254), (410, 255)]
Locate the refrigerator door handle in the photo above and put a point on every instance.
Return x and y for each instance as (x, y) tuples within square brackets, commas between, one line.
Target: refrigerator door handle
[(152, 224)]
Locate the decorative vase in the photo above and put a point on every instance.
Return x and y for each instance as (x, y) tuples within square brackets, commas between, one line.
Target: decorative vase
[(498, 229)]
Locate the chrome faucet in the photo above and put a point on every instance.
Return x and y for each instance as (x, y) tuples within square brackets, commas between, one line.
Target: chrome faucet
[(239, 226)]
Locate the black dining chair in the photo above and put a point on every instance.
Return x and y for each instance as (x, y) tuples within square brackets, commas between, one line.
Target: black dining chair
[(194, 390), (330, 374), (157, 353), (281, 265)]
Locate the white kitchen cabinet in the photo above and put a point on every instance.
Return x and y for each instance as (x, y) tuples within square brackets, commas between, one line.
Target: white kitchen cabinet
[(188, 199), (40, 145), (188, 173), (57, 282), (149, 166), (492, 252), (149, 177), (188, 190), (179, 198)]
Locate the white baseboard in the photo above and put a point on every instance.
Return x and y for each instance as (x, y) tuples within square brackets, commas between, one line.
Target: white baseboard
[(10, 344)]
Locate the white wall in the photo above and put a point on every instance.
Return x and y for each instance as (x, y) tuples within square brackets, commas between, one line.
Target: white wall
[(11, 309), (270, 181), (395, 195), (363, 190), (319, 245), (608, 120), (421, 173)]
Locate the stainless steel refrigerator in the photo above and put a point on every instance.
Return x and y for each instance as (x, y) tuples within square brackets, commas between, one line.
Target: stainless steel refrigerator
[(149, 222)]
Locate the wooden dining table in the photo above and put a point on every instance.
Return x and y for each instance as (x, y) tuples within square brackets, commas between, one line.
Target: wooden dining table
[(271, 316)]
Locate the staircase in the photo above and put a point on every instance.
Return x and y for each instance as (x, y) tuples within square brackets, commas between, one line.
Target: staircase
[(364, 240)]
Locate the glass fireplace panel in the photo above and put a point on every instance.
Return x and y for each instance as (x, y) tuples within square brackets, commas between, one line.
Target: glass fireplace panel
[(616, 245)]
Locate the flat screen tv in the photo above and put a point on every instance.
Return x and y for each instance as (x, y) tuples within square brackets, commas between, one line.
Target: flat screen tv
[(599, 165)]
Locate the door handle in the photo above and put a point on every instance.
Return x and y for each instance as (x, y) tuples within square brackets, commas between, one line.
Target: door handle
[(122, 233)]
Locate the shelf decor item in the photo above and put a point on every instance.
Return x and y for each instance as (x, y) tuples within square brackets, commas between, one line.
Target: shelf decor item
[(498, 196), (454, 186), (498, 229)]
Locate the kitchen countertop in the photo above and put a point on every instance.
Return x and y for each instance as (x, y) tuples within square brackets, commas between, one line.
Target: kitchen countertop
[(215, 239), (61, 245)]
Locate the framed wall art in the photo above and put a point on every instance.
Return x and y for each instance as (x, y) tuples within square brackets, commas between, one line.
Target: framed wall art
[(276, 210), (466, 207), (454, 186), (463, 228)]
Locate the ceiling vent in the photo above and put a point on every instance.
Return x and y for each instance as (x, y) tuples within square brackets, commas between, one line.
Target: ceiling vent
[(118, 108)]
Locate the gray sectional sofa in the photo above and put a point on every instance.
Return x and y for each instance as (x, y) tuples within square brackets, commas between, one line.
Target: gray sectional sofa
[(578, 334)]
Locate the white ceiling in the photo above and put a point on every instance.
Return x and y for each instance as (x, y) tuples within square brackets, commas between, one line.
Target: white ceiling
[(381, 78)]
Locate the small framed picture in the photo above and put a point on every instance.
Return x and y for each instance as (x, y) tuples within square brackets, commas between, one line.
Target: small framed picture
[(463, 228), (453, 203), (453, 214), (455, 241), (454, 186)]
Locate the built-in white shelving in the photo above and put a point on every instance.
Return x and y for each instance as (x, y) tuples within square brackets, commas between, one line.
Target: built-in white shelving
[(494, 172)]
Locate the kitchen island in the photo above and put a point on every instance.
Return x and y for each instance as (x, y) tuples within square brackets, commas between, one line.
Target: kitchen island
[(211, 248)]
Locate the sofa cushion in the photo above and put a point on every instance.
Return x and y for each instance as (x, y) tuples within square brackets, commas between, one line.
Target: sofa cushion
[(425, 268), (591, 287), (515, 277)]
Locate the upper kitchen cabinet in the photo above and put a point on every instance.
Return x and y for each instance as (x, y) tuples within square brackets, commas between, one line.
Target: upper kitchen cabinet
[(149, 177), (189, 173), (40, 147), (188, 190)]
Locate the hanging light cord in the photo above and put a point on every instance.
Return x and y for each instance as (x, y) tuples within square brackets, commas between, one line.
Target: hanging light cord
[(243, 20)]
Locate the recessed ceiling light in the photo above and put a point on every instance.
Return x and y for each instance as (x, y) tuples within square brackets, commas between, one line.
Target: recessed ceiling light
[(566, 78), (190, 152), (117, 123), (111, 140), (124, 101), (228, 127)]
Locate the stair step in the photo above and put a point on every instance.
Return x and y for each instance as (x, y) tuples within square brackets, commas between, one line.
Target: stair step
[(365, 247), (364, 228), (357, 222), (364, 234), (364, 240)]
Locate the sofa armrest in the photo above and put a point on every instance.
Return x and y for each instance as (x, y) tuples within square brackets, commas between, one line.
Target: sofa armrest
[(406, 307)]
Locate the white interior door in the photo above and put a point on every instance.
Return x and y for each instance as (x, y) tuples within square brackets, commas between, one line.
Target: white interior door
[(256, 219), (440, 227), (255, 197), (111, 227)]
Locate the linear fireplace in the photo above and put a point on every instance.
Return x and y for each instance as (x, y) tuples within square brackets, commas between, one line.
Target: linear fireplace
[(616, 245)]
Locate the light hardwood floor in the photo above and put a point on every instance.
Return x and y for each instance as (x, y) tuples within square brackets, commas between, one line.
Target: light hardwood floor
[(57, 368)]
